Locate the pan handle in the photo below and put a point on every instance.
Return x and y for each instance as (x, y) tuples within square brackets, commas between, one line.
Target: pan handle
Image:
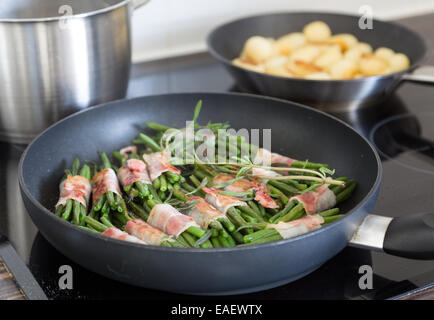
[(409, 236), (424, 74), (139, 3)]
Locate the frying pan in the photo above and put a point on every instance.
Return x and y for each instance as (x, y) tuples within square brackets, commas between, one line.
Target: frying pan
[(298, 131), (226, 42)]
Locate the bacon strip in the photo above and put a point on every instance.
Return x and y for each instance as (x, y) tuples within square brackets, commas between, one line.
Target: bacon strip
[(316, 201), (158, 163), (244, 185), (265, 200), (105, 181), (264, 173), (76, 188), (266, 158), (169, 220), (237, 186), (221, 202), (140, 229), (297, 227), (115, 233), (203, 213), (133, 171)]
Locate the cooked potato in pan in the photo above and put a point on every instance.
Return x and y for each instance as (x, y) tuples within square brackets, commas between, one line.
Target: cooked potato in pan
[(318, 54)]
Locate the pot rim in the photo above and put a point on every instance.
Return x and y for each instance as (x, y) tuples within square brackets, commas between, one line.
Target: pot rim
[(74, 16)]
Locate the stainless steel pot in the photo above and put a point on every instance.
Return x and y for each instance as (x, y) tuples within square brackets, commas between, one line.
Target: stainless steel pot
[(58, 57)]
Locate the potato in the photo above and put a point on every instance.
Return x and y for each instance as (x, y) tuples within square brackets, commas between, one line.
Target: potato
[(307, 53), (398, 62), (364, 47), (372, 65), (317, 31), (328, 57), (243, 64), (344, 40), (281, 72), (257, 49), (353, 54), (275, 62), (289, 43), (301, 68), (384, 53), (318, 76), (343, 69)]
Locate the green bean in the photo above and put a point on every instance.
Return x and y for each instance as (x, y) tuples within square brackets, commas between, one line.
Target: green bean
[(120, 158), (156, 183), (308, 165), (291, 214), (259, 234), (67, 212), (105, 160), (187, 187), (139, 211), (111, 199), (100, 202), (142, 188), (251, 213), (75, 166), (77, 212), (196, 231), (173, 177), (148, 141), (59, 210), (154, 195), (188, 238), (216, 243), (157, 127), (238, 237), (183, 241), (330, 212), (95, 224), (106, 222), (283, 212), (279, 193), (285, 188), (163, 183), (224, 242), (346, 193), (329, 219), (271, 238), (227, 224), (89, 229)]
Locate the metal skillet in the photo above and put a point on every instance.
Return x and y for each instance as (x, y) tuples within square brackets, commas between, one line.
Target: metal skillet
[(297, 131), (226, 42)]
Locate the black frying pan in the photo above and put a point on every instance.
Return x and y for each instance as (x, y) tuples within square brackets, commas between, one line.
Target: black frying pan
[(226, 42), (297, 131)]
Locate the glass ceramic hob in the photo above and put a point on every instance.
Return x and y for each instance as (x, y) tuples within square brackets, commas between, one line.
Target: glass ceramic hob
[(401, 129)]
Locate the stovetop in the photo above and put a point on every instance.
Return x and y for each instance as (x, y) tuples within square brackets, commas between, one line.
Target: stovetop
[(401, 129)]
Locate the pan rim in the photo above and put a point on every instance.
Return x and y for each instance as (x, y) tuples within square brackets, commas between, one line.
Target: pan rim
[(398, 74), (330, 226)]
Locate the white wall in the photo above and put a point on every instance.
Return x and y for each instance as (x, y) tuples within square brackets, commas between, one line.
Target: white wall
[(166, 28)]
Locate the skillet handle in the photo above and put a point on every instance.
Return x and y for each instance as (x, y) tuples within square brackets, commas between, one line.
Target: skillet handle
[(409, 236), (424, 74)]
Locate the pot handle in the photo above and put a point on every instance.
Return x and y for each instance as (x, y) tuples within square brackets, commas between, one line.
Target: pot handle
[(139, 3), (409, 236), (424, 74)]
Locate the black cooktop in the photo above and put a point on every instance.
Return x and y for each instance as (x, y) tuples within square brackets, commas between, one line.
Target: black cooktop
[(401, 129)]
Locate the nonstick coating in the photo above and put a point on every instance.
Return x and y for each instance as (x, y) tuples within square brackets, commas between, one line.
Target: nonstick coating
[(226, 43), (297, 131)]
